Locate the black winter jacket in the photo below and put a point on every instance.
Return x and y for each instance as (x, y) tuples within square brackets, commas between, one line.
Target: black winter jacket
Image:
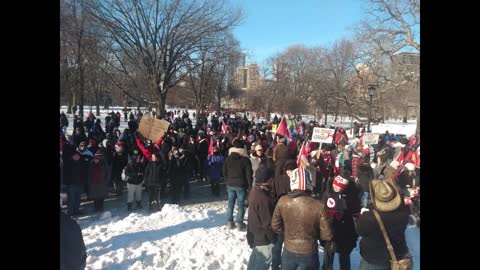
[(373, 247), (260, 212), (154, 175), (135, 172), (237, 169), (73, 254)]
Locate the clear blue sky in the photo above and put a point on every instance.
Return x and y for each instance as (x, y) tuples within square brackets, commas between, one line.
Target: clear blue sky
[(270, 26)]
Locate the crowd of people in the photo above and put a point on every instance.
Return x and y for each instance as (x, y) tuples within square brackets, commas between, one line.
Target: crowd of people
[(290, 209)]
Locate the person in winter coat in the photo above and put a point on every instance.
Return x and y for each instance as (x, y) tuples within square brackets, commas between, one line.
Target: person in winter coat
[(73, 254), (342, 206), (260, 236), (237, 171), (257, 157), (78, 137), (119, 161), (64, 123), (408, 184), (134, 172), (75, 171), (302, 229), (281, 181), (202, 153), (340, 136), (132, 124), (214, 170), (97, 181), (176, 173), (357, 160), (365, 174), (394, 215), (154, 176)]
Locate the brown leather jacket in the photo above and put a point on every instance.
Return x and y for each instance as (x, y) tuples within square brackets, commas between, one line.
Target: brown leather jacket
[(303, 221)]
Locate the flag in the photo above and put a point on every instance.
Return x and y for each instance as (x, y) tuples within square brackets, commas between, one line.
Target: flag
[(224, 128), (210, 147), (211, 156), (283, 130), (302, 155)]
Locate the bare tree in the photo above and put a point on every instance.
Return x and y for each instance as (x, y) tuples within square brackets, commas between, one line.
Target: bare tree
[(160, 37), (392, 27)]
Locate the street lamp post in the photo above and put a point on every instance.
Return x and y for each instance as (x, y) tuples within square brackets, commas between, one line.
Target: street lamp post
[(371, 92)]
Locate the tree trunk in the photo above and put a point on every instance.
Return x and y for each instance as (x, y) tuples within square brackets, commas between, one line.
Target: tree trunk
[(161, 101), (82, 94), (70, 101), (326, 112), (336, 111), (219, 104)]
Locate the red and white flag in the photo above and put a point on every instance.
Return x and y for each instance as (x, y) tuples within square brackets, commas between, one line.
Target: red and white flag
[(224, 128), (302, 155), (283, 129)]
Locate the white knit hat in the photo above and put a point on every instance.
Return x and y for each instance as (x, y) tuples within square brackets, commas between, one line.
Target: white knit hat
[(394, 164), (410, 166)]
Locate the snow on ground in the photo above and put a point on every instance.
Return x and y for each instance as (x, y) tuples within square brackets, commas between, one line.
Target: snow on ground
[(393, 125), (181, 237)]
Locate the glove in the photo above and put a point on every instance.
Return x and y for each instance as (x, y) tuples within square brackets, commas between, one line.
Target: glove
[(364, 210)]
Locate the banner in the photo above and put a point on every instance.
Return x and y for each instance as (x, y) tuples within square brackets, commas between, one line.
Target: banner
[(152, 128), (370, 138), (322, 135)]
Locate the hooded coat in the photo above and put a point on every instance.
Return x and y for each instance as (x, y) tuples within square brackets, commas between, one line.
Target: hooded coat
[(237, 169)]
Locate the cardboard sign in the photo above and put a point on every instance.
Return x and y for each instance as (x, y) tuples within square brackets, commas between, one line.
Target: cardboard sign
[(232, 116), (152, 128), (370, 138), (322, 135), (274, 128)]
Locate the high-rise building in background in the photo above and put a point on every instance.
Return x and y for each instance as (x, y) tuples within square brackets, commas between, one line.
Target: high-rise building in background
[(247, 77)]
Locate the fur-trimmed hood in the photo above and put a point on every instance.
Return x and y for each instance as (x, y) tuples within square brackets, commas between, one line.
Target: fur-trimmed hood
[(241, 151)]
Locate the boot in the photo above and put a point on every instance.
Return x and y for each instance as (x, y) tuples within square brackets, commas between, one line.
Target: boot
[(230, 224), (241, 226), (129, 206), (150, 206), (139, 205)]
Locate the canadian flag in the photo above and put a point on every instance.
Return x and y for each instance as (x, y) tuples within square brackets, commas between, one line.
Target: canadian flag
[(283, 130), (224, 128), (302, 155)]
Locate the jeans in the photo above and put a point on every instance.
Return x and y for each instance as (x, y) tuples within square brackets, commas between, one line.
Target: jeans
[(277, 252), (364, 265), (260, 258), (365, 199), (293, 261), (239, 194), (73, 198)]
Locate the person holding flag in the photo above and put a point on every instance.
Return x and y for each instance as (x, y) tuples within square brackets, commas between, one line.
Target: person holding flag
[(214, 167)]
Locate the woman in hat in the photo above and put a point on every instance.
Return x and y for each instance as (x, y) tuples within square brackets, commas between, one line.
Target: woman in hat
[(256, 157), (342, 204), (394, 215)]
